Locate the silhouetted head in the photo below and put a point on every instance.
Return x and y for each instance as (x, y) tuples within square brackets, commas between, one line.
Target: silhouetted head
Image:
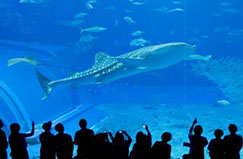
[(218, 133), (59, 128), (15, 127), (1, 123), (232, 128), (166, 137), (140, 137), (119, 137), (198, 130), (47, 126), (83, 123)]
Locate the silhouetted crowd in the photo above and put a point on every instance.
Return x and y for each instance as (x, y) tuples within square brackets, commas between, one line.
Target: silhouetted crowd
[(106, 146)]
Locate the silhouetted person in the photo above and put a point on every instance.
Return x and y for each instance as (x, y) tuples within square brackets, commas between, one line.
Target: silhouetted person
[(18, 143), (233, 143), (216, 146), (197, 142), (101, 148), (161, 149), (47, 140), (83, 139), (142, 147), (64, 143), (120, 146), (3, 142)]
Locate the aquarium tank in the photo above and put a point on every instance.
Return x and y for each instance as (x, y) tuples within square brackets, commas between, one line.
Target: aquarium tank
[(121, 64)]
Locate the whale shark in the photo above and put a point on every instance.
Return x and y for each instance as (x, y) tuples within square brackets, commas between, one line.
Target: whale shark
[(109, 68)]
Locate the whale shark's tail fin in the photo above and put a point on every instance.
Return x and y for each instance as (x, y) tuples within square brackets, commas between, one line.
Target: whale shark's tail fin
[(44, 82)]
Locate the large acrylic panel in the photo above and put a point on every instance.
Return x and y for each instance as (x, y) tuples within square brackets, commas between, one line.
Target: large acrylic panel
[(42, 41)]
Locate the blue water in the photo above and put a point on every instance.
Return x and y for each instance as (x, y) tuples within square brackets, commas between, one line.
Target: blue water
[(48, 32)]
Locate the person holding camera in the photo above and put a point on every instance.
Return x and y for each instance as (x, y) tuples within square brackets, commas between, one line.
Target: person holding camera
[(197, 142)]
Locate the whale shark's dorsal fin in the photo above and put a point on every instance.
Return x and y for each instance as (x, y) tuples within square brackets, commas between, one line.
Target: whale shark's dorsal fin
[(100, 57)]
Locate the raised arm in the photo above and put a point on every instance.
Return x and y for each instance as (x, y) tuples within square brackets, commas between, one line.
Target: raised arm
[(129, 138), (149, 136), (147, 130), (192, 127), (32, 131)]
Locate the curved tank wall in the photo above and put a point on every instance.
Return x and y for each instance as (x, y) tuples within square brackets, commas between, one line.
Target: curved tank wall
[(25, 96)]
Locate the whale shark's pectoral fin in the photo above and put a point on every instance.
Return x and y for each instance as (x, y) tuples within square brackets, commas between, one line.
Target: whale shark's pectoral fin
[(199, 57), (100, 81)]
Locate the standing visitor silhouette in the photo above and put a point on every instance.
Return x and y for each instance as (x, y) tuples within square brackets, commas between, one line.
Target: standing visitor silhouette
[(161, 149), (83, 139), (120, 146), (233, 143), (64, 143), (3, 142), (18, 143), (197, 142), (142, 147), (47, 140), (216, 146)]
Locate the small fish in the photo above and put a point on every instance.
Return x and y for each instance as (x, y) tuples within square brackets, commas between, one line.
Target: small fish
[(138, 33), (162, 10), (223, 102), (33, 1), (89, 4), (18, 60), (167, 10), (129, 20), (176, 2), (139, 42), (136, 3), (80, 15), (93, 29), (176, 10)]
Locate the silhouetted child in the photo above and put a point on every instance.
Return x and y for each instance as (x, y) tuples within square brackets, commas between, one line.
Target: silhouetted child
[(142, 147), (216, 146), (120, 146), (161, 149), (64, 143), (197, 142), (101, 148), (233, 143), (83, 139), (47, 140), (3, 142), (18, 143)]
